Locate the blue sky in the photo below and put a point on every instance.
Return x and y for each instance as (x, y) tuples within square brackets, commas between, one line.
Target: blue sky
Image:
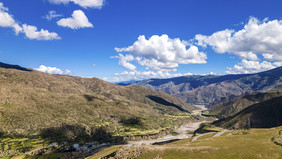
[(181, 37)]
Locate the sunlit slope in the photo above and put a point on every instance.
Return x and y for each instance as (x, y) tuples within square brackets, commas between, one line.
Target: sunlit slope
[(237, 144), (31, 101)]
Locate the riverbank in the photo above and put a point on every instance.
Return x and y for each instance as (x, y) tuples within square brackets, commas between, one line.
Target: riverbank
[(184, 131)]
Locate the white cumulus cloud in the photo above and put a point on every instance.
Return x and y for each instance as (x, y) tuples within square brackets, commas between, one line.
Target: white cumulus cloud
[(52, 14), (31, 32), (257, 37), (68, 72), (2, 7), (82, 3), (124, 61), (52, 70), (6, 20), (78, 20), (246, 66), (162, 53)]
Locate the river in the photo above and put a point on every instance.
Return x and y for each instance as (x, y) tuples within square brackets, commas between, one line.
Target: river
[(184, 131)]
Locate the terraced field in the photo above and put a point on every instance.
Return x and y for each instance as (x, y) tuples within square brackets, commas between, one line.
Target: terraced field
[(15, 146)]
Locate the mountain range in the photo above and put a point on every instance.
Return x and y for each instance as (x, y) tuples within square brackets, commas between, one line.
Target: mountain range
[(199, 89)]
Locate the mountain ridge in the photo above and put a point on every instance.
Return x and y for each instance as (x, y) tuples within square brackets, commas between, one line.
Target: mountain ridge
[(199, 89), (265, 114), (233, 105)]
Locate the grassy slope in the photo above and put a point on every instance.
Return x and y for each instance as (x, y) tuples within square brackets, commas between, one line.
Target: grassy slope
[(262, 115), (32, 101), (239, 144), (232, 107), (255, 143)]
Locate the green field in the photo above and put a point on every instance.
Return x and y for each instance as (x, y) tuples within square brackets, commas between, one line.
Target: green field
[(106, 152), (10, 146), (237, 144)]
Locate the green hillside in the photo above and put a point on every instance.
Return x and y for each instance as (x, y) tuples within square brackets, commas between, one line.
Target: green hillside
[(35, 103)]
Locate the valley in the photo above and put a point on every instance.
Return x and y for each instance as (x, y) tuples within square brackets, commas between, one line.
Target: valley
[(55, 116), (56, 109), (140, 79), (183, 132), (248, 115)]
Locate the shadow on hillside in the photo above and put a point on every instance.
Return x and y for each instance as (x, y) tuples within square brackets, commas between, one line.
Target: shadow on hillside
[(131, 122), (3, 65), (78, 133), (165, 142), (266, 114), (91, 98), (164, 102)]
